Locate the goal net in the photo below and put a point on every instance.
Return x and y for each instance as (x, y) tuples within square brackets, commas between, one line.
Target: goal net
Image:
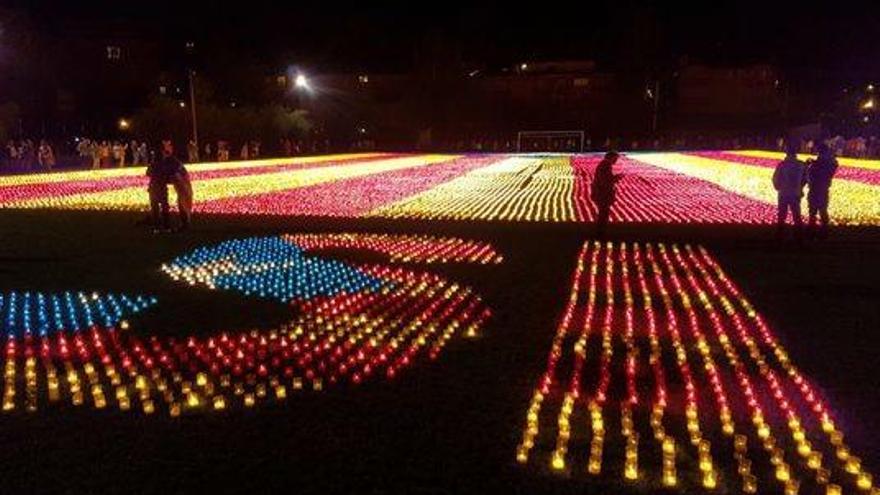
[(561, 141)]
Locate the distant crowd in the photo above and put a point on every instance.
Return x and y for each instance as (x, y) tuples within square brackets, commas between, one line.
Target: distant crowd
[(854, 147), (28, 155), (31, 155)]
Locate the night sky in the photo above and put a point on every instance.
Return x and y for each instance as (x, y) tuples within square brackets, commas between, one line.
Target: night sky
[(839, 37)]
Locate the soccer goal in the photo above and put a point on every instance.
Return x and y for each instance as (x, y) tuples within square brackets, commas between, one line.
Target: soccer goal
[(559, 141)]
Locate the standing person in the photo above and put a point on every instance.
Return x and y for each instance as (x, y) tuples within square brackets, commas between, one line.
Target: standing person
[(819, 177), (119, 154), (222, 151), (95, 152), (45, 156), (134, 146), (209, 152), (12, 154), (602, 190), (160, 173), (144, 153), (183, 189), (131, 153), (104, 153), (179, 178), (245, 151), (82, 149), (29, 154), (192, 152), (789, 180)]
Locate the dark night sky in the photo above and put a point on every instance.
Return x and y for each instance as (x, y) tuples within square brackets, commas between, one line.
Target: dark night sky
[(835, 36)]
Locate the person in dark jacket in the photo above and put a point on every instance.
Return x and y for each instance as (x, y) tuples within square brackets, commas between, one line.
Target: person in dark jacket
[(161, 173), (602, 190), (819, 176), (789, 180)]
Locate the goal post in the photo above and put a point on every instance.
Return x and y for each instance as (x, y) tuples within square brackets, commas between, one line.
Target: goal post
[(562, 141)]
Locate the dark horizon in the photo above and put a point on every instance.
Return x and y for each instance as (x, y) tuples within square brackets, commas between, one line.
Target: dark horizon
[(350, 37), (800, 64)]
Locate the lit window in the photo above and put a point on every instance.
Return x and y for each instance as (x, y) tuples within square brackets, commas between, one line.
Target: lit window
[(163, 90), (114, 52), (363, 79)]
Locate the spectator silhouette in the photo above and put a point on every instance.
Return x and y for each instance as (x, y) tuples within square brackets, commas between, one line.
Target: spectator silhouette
[(819, 177), (184, 190), (602, 190), (161, 173), (789, 180)]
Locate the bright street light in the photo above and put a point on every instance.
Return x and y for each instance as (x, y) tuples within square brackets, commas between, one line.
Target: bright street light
[(301, 82), (124, 124)]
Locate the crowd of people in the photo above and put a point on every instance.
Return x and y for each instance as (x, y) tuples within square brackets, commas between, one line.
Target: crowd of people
[(29, 155), (854, 147), (109, 154), (26, 155)]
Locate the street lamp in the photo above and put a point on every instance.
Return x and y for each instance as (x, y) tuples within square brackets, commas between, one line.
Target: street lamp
[(301, 82), (192, 102), (124, 124)]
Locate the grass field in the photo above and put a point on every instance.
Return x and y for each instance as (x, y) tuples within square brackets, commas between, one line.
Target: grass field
[(451, 424)]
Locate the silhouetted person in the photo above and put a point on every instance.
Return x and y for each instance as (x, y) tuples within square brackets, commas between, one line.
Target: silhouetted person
[(602, 190), (819, 177), (183, 188), (161, 173), (789, 179)]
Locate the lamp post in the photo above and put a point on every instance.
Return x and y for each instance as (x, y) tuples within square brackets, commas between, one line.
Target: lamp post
[(192, 106)]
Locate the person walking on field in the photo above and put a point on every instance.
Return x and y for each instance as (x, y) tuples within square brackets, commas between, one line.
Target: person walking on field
[(602, 190), (789, 179), (819, 176)]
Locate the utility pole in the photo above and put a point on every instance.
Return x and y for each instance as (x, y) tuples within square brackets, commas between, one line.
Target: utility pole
[(192, 106), (655, 119)]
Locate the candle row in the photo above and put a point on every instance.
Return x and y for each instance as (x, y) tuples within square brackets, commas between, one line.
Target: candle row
[(404, 248), (699, 371), (38, 314)]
